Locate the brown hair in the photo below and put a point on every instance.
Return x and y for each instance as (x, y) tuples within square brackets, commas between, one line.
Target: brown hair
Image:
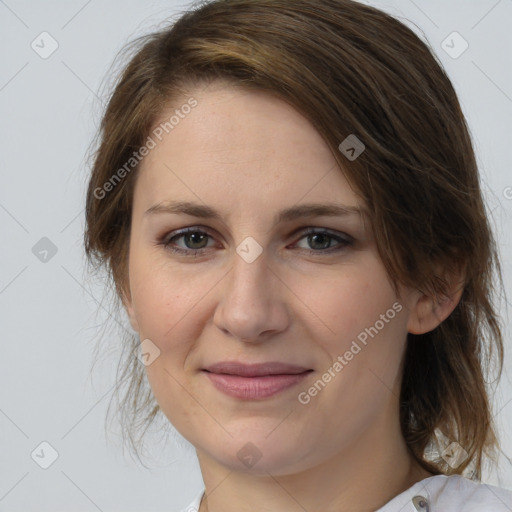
[(350, 69)]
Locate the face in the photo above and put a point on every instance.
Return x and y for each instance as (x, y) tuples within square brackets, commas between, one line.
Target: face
[(230, 263)]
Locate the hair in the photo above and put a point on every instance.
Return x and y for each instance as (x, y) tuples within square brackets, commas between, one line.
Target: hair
[(349, 69)]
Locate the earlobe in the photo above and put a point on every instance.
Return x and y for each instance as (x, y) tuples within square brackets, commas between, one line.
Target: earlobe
[(427, 313)]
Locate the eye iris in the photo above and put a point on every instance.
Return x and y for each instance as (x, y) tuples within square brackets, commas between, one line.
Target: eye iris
[(312, 239), (195, 238)]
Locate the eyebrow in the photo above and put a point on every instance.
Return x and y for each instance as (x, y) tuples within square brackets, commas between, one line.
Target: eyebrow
[(286, 215)]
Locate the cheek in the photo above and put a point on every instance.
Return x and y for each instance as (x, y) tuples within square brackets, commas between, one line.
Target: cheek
[(163, 298), (364, 324), (348, 301), (167, 303), (363, 348)]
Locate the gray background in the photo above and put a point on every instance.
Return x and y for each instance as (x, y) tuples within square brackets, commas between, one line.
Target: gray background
[(50, 311)]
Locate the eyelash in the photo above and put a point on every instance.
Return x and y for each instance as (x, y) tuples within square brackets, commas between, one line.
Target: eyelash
[(343, 241)]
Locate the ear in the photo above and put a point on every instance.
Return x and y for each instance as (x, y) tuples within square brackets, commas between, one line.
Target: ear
[(427, 312), (128, 306)]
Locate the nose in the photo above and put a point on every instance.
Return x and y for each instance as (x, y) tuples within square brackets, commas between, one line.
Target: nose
[(252, 307)]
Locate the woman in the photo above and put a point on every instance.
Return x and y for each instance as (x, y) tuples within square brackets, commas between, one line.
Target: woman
[(343, 376)]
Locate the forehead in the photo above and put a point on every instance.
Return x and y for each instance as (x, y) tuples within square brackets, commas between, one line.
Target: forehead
[(241, 145)]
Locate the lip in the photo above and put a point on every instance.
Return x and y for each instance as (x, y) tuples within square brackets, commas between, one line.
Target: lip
[(255, 369), (254, 381)]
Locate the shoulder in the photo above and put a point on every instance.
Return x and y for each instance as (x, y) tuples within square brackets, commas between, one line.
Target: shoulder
[(459, 493), (444, 493), (452, 493), (194, 506)]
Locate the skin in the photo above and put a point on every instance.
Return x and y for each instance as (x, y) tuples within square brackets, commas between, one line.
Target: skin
[(249, 155)]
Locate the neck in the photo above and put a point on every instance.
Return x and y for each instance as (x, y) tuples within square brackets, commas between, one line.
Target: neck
[(360, 478)]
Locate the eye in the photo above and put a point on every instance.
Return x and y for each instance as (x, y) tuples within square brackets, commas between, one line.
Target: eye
[(194, 241), (323, 241)]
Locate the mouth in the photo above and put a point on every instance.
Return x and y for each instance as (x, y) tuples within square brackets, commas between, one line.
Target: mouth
[(254, 381)]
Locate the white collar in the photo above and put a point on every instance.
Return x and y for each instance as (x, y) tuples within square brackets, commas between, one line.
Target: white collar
[(454, 493), (439, 493)]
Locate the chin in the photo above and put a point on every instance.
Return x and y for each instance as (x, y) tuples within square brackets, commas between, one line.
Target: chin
[(259, 454)]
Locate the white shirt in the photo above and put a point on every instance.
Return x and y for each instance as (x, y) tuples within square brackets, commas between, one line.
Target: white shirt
[(438, 493)]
